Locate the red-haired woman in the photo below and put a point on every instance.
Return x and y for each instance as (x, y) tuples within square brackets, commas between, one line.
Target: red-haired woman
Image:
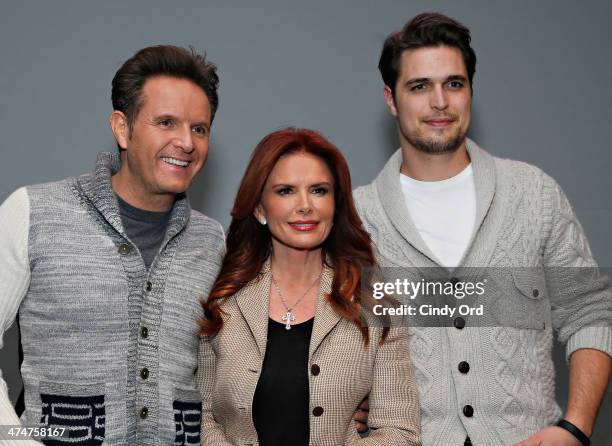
[(284, 358)]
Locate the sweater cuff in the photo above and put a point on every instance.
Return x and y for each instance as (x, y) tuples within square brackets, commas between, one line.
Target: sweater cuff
[(598, 338)]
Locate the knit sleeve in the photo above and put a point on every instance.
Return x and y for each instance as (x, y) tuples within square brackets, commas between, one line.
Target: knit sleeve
[(581, 297), (14, 281)]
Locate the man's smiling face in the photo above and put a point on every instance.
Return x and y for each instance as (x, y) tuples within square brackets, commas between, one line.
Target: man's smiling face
[(168, 143)]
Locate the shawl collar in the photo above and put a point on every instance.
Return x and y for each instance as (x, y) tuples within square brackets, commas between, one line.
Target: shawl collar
[(97, 189), (389, 190), (490, 212), (253, 303), (485, 179)]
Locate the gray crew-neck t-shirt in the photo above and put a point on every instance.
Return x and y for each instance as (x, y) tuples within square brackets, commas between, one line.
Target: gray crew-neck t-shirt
[(146, 229)]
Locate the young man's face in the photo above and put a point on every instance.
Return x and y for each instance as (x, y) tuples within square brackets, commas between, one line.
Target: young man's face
[(168, 144), (433, 99)]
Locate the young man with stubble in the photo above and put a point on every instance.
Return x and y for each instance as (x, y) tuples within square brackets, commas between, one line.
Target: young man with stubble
[(441, 201)]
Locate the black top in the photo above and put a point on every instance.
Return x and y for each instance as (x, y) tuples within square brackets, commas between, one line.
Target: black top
[(280, 404), (146, 229)]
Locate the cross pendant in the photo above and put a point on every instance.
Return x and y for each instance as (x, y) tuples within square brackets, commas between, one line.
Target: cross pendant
[(288, 318)]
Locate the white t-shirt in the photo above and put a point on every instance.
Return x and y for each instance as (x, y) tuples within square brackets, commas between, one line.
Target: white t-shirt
[(444, 213)]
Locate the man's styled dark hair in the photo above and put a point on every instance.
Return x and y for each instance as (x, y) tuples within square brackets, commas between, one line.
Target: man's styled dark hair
[(162, 60), (429, 29)]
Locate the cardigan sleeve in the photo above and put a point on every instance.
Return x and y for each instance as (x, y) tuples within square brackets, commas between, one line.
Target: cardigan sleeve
[(580, 293), (211, 433), (395, 414), (14, 283)]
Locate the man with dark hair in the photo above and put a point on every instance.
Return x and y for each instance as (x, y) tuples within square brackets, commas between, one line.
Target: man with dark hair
[(441, 201), (106, 269)]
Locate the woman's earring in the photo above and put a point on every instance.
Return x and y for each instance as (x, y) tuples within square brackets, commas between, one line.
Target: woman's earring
[(263, 221)]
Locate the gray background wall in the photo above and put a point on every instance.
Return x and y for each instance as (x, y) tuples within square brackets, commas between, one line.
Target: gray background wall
[(542, 91)]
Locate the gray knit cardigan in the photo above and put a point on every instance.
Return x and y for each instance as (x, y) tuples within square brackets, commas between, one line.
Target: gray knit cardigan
[(109, 347)]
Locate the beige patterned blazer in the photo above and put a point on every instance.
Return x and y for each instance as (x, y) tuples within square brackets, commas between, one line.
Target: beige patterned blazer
[(230, 364)]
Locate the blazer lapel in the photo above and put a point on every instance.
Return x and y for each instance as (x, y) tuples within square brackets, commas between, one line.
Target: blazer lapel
[(253, 303), (325, 316)]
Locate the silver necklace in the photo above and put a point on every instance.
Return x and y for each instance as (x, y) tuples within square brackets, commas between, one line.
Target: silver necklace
[(288, 317)]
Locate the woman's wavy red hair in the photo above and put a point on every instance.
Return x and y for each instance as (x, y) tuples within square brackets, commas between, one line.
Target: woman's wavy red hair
[(348, 246)]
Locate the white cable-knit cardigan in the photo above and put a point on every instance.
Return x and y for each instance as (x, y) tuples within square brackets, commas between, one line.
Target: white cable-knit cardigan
[(523, 220)]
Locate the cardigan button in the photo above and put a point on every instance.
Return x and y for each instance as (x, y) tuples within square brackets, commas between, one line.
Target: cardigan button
[(315, 369), (535, 293), (144, 332), (144, 412), (144, 373), (148, 286), (464, 367), (124, 249), (317, 411), (468, 411), (454, 281), (459, 323)]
